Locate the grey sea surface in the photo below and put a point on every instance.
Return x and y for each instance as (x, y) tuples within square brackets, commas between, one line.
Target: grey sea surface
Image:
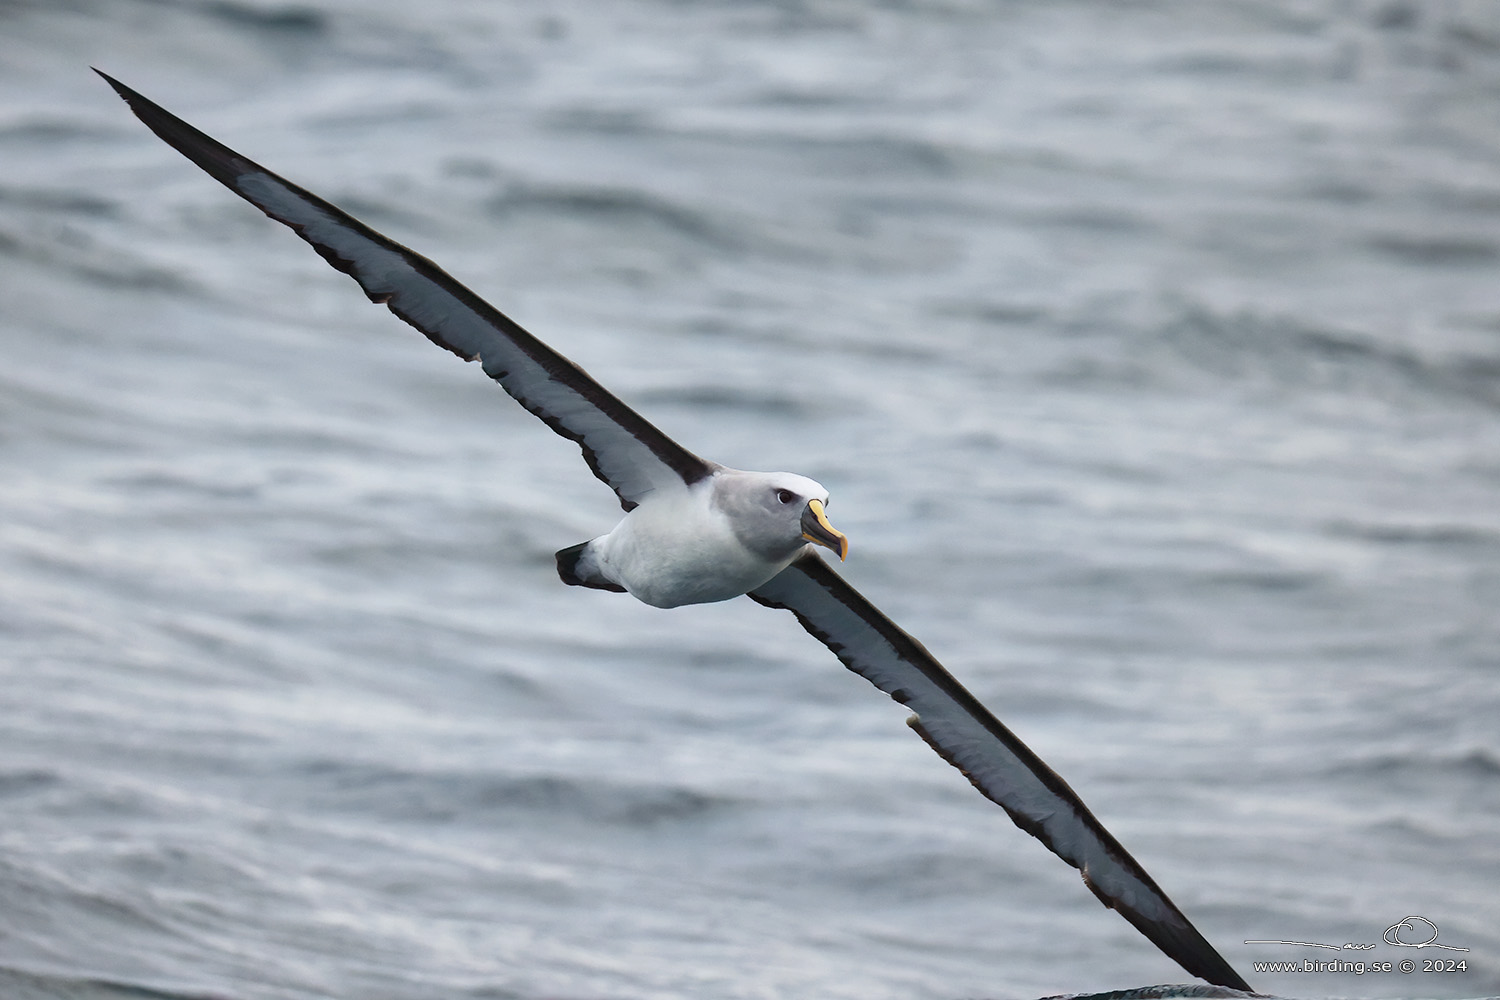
[(1150, 351)]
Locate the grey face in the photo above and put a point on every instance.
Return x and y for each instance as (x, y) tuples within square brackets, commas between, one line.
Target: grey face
[(767, 511)]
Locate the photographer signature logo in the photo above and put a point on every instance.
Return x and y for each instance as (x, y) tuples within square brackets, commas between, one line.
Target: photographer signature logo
[(1408, 932)]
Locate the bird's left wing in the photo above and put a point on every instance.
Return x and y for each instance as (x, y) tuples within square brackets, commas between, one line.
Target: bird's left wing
[(970, 738), (621, 447)]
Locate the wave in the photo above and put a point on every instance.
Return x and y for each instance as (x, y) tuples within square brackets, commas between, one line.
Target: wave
[(20, 984), (633, 211), (408, 794), (1282, 354), (1476, 764)]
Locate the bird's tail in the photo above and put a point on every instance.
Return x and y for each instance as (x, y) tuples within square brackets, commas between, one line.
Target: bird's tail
[(576, 567)]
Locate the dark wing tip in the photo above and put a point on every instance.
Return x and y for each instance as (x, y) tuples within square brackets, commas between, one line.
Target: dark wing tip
[(215, 158), (1183, 943), (135, 100)]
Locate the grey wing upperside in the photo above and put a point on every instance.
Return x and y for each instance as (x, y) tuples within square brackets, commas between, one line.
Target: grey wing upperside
[(1003, 768), (621, 447)]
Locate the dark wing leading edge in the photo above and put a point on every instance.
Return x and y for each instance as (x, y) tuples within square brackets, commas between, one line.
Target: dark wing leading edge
[(964, 732), (620, 446)]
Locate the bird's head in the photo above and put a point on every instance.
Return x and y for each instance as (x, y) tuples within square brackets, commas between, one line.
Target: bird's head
[(775, 513)]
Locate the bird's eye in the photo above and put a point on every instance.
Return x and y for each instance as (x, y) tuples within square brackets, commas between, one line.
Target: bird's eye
[(785, 496)]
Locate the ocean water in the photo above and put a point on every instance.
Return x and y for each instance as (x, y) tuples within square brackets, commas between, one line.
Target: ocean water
[(1150, 350)]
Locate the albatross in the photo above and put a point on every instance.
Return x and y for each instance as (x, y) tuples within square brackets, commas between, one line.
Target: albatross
[(695, 531)]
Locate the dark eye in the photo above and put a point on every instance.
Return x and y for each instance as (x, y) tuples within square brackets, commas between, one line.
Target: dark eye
[(785, 496)]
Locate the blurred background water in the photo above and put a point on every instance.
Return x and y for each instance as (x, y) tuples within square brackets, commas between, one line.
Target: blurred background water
[(1151, 352)]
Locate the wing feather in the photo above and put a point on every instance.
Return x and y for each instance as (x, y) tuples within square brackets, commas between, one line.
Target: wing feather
[(621, 447), (1003, 768)]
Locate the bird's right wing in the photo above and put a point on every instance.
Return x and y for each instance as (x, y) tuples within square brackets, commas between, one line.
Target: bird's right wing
[(1003, 768), (621, 447)]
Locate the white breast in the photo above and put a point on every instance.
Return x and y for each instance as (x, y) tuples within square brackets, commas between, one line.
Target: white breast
[(678, 548)]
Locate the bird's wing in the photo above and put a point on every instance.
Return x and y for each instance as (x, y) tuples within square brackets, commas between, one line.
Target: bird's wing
[(621, 447), (964, 732)]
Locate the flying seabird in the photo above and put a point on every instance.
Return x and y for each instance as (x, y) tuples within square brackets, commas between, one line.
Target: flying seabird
[(695, 531)]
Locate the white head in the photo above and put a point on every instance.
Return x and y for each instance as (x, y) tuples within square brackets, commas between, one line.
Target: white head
[(775, 513)]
